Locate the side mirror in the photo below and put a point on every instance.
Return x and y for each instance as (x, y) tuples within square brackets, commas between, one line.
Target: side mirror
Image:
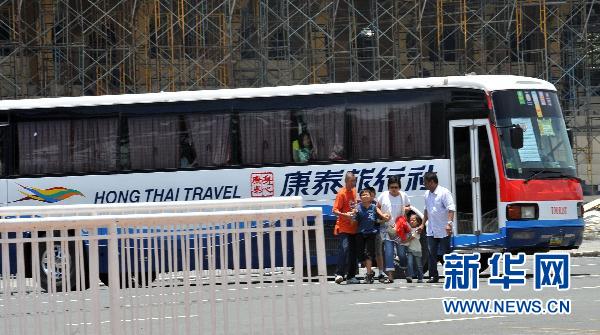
[(516, 137)]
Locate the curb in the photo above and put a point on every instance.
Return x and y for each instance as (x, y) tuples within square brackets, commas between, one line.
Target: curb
[(594, 253)]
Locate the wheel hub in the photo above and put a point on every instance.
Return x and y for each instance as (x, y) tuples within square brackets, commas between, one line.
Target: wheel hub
[(58, 261)]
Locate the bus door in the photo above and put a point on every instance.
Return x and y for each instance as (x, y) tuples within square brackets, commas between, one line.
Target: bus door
[(473, 185)]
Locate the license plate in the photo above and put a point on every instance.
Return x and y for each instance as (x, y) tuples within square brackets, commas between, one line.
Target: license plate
[(556, 240)]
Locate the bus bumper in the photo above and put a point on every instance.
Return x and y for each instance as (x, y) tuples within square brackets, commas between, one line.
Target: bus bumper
[(542, 235)]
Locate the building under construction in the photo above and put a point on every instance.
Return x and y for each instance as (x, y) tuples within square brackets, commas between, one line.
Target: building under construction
[(95, 47)]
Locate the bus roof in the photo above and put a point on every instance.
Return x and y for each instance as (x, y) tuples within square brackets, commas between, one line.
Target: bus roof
[(486, 82)]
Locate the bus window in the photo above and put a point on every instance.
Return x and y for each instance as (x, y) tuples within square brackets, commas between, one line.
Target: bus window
[(60, 146), (44, 146), (391, 131), (546, 144), (369, 125), (209, 135), (154, 142), (95, 144), (265, 137), (3, 134), (410, 126), (326, 126)]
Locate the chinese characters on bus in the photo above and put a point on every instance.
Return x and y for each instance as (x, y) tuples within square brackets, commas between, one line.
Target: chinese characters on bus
[(329, 181), (262, 184)]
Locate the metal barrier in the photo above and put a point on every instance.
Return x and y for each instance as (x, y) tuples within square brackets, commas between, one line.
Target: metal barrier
[(151, 207), (223, 272)]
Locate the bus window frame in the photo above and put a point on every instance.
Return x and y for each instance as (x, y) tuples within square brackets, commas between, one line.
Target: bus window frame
[(437, 97)]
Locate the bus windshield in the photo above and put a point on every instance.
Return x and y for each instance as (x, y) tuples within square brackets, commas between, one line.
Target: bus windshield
[(546, 152)]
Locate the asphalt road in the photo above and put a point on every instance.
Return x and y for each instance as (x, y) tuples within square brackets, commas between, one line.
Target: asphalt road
[(397, 308), (418, 308)]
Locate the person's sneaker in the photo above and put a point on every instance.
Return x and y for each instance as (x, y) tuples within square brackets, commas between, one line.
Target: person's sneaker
[(353, 280), (420, 281), (433, 280), (409, 279), (339, 279), (381, 278)]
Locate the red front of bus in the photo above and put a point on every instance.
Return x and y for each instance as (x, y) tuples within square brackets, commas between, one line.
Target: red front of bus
[(541, 200)]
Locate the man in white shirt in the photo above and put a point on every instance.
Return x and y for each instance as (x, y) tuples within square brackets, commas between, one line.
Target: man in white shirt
[(439, 216)]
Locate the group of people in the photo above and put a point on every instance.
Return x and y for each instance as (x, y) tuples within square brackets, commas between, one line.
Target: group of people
[(376, 229)]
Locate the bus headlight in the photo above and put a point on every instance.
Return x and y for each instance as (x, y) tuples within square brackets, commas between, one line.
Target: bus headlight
[(522, 211), (528, 212)]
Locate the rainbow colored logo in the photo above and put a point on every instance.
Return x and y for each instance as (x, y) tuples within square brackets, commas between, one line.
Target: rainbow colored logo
[(49, 195)]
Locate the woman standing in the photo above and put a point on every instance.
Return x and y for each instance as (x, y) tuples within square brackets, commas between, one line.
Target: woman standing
[(395, 203)]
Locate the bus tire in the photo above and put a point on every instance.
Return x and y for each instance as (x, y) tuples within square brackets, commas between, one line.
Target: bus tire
[(314, 271), (130, 280), (59, 254), (141, 281), (483, 262), (104, 278)]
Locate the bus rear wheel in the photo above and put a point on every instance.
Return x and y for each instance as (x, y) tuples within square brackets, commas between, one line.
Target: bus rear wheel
[(51, 267)]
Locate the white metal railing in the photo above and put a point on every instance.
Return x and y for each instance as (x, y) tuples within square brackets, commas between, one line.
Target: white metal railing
[(222, 272), (151, 207)]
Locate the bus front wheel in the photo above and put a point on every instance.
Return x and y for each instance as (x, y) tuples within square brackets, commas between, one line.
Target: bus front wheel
[(483, 262), (131, 280)]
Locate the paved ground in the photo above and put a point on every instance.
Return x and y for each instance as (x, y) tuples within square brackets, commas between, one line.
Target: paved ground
[(397, 308), (417, 308), (589, 248), (592, 219)]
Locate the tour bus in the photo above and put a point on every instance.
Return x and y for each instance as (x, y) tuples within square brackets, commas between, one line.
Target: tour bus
[(499, 143)]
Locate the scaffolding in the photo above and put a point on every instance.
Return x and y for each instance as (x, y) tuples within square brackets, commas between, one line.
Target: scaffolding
[(95, 47)]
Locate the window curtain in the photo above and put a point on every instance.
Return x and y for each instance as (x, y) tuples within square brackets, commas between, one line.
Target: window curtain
[(370, 131), (326, 127), (411, 130), (265, 137), (3, 139), (210, 137), (44, 147), (95, 144), (154, 142)]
